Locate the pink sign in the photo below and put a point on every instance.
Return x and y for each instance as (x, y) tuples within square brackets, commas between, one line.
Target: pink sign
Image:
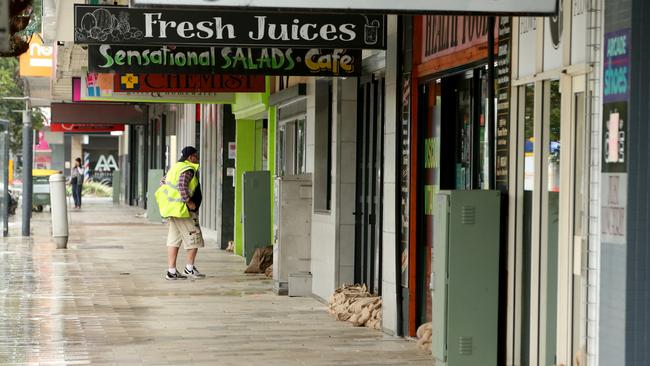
[(42, 145)]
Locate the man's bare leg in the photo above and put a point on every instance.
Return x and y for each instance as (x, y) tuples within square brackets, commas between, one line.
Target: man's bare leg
[(191, 256), (172, 252)]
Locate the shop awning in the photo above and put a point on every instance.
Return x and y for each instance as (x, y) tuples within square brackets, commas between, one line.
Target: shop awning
[(99, 113)]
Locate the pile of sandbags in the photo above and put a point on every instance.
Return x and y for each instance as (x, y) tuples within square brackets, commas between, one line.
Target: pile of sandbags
[(424, 337), (357, 306), (262, 259)]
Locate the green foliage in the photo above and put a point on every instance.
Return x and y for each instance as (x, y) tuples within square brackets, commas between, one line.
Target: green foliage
[(12, 86), (93, 189)]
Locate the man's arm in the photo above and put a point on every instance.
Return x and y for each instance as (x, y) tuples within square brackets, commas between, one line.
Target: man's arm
[(184, 185)]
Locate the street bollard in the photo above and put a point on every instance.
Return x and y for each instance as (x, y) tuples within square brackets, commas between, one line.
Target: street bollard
[(59, 210)]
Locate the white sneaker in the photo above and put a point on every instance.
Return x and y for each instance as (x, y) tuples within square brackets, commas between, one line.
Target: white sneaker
[(194, 273)]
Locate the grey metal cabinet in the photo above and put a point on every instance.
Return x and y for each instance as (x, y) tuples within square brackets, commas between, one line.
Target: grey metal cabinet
[(465, 278), (256, 213), (292, 251)]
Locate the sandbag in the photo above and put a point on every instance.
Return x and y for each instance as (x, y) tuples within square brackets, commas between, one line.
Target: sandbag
[(424, 334), (422, 329), (262, 259), (356, 305), (269, 271)]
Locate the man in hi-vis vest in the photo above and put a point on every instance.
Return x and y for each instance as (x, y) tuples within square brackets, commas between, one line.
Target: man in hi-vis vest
[(178, 199)]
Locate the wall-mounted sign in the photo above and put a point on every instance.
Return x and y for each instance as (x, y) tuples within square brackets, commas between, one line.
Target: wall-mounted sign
[(445, 42), (226, 60), (385, 6), (444, 34), (84, 128), (188, 83), (38, 61), (616, 94), (130, 26), (101, 88), (502, 87)]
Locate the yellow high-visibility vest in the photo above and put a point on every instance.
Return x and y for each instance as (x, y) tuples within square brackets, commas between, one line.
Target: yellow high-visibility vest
[(168, 197)]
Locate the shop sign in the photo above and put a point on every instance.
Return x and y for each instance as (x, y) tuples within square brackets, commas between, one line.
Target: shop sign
[(84, 128), (503, 73), (38, 60), (188, 83), (225, 60), (101, 88), (385, 6), (445, 34), (616, 91), (134, 26)]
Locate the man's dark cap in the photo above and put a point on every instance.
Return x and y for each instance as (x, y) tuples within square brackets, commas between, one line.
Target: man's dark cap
[(187, 152)]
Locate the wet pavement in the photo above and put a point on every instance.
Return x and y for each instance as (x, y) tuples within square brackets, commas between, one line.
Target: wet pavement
[(103, 301)]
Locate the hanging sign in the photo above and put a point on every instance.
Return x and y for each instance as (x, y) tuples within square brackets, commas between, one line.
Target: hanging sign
[(38, 60), (385, 6), (101, 88), (226, 60), (188, 83), (132, 26), (84, 128)]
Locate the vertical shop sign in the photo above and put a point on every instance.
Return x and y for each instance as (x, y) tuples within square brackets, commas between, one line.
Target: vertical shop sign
[(405, 174), (616, 86), (503, 104), (616, 95)]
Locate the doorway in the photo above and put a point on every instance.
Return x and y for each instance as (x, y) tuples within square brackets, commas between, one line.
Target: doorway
[(553, 214), (369, 186)]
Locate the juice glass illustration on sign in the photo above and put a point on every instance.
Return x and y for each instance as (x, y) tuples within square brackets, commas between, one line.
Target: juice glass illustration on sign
[(371, 31)]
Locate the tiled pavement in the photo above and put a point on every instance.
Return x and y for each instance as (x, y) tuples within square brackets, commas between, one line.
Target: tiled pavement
[(104, 301)]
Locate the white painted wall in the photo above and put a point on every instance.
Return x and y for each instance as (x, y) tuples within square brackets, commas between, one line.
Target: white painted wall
[(332, 243)]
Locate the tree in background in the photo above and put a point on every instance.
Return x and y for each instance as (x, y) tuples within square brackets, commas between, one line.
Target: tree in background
[(12, 86)]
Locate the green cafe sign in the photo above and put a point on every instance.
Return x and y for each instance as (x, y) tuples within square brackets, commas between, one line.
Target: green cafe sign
[(224, 60)]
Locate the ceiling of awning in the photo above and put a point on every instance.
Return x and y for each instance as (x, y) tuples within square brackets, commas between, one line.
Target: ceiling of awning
[(99, 113)]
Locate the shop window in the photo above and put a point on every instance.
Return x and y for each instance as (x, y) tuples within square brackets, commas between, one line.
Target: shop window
[(292, 147), (465, 147)]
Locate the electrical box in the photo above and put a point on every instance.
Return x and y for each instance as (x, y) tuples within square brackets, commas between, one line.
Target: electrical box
[(292, 249), (153, 212), (465, 278), (256, 213)]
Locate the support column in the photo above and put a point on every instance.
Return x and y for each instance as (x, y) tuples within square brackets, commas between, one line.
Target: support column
[(244, 161), (28, 154)]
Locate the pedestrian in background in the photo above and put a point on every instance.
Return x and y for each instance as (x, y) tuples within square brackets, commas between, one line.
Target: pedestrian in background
[(179, 198), (77, 181)]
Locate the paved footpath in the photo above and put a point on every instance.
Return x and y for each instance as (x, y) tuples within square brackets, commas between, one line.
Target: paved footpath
[(103, 301)]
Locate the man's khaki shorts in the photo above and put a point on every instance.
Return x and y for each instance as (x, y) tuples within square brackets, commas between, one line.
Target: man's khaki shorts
[(185, 230)]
